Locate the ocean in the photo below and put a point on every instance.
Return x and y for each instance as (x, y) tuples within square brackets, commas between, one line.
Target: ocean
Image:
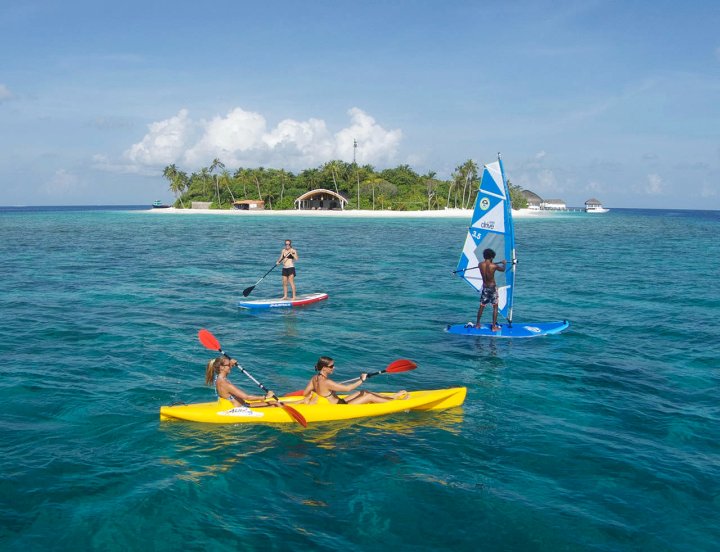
[(605, 437)]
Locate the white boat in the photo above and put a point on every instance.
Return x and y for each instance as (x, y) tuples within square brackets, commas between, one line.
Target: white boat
[(594, 206)]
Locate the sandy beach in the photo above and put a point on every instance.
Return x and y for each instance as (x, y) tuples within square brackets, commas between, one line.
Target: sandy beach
[(355, 213)]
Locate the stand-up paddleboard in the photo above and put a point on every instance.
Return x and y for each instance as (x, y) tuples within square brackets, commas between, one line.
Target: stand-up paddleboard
[(492, 228), (525, 329), (299, 301)]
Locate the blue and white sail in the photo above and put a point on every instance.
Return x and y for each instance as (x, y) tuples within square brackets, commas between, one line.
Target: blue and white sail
[(491, 227)]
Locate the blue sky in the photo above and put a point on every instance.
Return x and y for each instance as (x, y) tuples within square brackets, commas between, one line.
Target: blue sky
[(615, 100)]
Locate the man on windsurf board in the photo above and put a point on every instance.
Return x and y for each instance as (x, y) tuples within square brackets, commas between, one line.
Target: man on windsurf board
[(489, 294)]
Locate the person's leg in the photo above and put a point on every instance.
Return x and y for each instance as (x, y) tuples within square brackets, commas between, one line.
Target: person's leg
[(285, 283), (495, 326), (291, 279), (480, 311)]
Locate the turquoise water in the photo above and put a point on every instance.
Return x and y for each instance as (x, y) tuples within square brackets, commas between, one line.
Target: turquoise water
[(601, 438)]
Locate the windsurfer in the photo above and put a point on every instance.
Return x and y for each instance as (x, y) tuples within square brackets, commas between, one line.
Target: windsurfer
[(489, 294)]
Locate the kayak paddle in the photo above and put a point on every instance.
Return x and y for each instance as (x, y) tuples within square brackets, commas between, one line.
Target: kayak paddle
[(248, 290), (399, 365), (211, 342)]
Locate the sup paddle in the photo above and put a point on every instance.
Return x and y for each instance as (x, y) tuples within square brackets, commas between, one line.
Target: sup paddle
[(248, 290), (211, 342), (399, 365)]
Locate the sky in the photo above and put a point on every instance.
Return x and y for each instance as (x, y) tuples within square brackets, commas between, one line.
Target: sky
[(613, 100)]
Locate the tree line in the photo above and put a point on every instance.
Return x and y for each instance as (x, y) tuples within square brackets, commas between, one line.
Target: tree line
[(399, 188)]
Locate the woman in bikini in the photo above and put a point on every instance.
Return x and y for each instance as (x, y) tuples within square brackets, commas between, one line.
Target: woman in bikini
[(322, 385), (216, 373)]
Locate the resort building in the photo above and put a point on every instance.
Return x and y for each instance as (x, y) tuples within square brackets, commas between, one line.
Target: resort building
[(249, 204), (533, 200), (553, 205), (320, 199)]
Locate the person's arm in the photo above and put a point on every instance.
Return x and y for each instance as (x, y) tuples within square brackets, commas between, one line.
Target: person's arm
[(308, 389), (333, 386), (237, 392), (501, 268), (295, 255)]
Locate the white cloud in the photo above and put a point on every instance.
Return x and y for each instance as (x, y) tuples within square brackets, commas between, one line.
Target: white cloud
[(165, 142), (242, 138), (62, 183), (5, 93), (540, 155), (654, 185)]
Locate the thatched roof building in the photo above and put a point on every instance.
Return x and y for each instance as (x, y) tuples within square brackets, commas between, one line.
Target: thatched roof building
[(321, 199)]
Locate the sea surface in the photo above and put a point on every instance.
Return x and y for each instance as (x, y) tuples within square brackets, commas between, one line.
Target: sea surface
[(605, 437)]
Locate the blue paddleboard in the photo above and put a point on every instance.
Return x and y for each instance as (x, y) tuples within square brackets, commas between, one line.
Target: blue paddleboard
[(299, 301), (518, 329)]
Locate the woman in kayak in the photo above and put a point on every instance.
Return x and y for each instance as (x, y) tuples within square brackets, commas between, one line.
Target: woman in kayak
[(322, 385), (216, 373)]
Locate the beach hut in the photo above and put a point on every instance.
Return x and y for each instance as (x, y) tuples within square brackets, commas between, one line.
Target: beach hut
[(249, 205), (533, 200), (320, 199), (553, 205)]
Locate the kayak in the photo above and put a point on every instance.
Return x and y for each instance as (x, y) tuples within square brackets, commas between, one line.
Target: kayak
[(518, 329), (299, 301), (222, 411)]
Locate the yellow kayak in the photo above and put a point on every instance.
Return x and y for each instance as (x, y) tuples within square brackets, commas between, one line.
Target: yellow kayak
[(223, 412)]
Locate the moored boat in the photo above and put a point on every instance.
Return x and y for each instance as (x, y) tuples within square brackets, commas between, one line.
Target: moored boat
[(223, 412), (160, 205), (594, 206)]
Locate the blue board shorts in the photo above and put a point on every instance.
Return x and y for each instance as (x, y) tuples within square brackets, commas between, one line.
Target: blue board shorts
[(489, 295)]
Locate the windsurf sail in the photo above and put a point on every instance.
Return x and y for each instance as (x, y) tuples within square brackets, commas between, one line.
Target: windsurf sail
[(491, 228)]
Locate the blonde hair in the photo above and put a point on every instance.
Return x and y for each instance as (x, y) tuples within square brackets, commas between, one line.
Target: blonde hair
[(212, 370)]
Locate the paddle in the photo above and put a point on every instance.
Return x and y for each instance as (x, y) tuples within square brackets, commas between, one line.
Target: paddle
[(247, 291), (399, 365), (210, 342)]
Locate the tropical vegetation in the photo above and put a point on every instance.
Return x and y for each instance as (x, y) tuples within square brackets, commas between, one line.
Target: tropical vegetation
[(399, 188)]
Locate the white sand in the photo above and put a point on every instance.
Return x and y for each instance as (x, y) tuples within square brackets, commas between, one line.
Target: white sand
[(441, 213)]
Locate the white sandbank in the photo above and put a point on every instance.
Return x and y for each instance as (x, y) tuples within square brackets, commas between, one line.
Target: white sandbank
[(355, 213)]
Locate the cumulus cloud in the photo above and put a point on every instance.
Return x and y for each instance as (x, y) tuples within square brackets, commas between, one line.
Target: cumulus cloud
[(242, 138), (62, 183), (5, 93), (164, 143), (654, 185)]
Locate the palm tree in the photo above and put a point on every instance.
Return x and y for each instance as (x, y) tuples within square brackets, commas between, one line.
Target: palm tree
[(176, 185), (216, 164)]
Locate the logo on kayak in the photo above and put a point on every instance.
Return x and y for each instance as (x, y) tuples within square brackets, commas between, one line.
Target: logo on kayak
[(241, 411), (533, 329)]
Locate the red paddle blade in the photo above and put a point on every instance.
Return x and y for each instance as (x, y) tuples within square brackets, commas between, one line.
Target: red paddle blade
[(400, 365), (208, 340), (299, 418), (298, 393)]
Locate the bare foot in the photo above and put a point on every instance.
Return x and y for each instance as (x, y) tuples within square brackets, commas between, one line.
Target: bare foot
[(401, 395), (283, 298), (495, 328)]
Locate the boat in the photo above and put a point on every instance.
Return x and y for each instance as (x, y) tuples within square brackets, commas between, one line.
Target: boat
[(594, 206), (492, 227), (160, 205), (299, 301), (223, 411)]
